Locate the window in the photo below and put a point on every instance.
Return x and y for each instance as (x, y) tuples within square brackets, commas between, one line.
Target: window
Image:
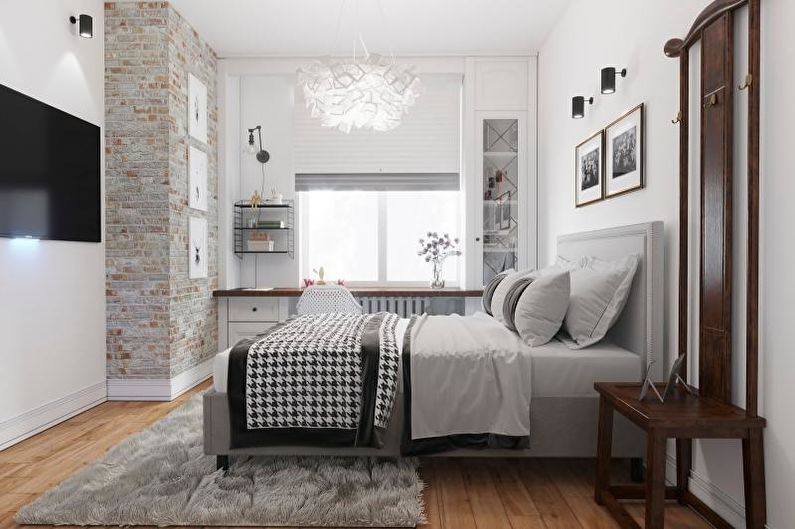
[(372, 237)]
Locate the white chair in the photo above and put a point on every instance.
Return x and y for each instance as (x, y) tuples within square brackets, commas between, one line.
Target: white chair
[(321, 299)]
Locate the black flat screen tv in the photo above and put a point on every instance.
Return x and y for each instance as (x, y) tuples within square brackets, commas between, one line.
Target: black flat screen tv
[(50, 176)]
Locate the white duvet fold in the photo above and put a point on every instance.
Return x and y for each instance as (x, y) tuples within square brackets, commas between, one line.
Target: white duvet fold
[(468, 376)]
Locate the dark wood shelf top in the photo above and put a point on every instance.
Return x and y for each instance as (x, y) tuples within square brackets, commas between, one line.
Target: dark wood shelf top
[(682, 411), (357, 291)]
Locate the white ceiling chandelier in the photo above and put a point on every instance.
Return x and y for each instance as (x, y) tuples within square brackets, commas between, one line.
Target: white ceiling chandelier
[(366, 91)]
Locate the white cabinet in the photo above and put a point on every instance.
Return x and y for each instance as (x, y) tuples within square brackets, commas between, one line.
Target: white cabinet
[(501, 84), (244, 317)]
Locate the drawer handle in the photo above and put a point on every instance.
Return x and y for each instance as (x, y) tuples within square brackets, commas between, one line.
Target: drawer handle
[(253, 309)]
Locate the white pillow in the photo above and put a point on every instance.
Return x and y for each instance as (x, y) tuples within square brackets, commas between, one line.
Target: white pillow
[(501, 292), (599, 292), (563, 265), (540, 310)]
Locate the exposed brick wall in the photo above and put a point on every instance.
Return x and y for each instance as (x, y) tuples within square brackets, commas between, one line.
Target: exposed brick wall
[(159, 322)]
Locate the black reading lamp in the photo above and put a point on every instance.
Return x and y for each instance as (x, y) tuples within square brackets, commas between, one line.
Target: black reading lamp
[(609, 76), (85, 25), (262, 155), (578, 106)]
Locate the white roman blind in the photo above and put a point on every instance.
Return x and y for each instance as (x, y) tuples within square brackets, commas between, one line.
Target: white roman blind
[(427, 142)]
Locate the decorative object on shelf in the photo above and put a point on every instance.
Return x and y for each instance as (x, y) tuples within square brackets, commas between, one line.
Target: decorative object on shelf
[(489, 194), (341, 282), (256, 199), (365, 91), (197, 109), (624, 153), (197, 178), (260, 242), (609, 75), (197, 249), (588, 170), (502, 215), (308, 282), (321, 274), (85, 25), (578, 106), (674, 379), (436, 250), (275, 198)]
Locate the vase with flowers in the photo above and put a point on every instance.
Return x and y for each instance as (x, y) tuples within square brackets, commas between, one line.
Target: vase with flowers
[(435, 249)]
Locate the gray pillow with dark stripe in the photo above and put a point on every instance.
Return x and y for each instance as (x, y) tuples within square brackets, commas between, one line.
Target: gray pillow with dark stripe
[(512, 299), (539, 312), (488, 290)]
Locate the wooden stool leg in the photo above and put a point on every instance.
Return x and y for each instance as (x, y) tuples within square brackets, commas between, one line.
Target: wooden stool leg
[(754, 480), (684, 461), (604, 449), (655, 480)]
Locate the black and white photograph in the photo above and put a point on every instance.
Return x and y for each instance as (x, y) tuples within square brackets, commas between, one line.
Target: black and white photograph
[(197, 248), (197, 178), (197, 109), (624, 156), (589, 170)]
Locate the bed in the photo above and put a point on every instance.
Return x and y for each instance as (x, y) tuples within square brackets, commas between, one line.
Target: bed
[(564, 405)]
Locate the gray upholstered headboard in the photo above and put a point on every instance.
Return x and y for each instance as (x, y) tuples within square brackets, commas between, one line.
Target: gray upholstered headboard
[(640, 327)]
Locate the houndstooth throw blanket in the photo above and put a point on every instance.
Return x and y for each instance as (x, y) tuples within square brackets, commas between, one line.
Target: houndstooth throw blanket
[(319, 379)]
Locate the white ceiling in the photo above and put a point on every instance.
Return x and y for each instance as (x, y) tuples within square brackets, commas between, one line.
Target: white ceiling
[(296, 28)]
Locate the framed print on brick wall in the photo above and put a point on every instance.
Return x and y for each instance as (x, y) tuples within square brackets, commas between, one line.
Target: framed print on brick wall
[(197, 109), (197, 248), (197, 178)]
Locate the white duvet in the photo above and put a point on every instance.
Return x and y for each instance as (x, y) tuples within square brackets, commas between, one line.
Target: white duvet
[(468, 376)]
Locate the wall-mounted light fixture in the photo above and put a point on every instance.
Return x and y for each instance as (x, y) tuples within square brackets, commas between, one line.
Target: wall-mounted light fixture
[(578, 106), (609, 75), (262, 155), (85, 25)]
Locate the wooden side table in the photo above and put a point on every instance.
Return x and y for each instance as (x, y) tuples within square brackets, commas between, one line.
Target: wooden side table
[(683, 417)]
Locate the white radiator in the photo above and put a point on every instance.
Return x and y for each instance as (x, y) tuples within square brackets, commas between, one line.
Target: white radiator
[(402, 306)]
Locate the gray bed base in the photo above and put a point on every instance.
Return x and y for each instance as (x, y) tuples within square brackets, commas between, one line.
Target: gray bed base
[(559, 427)]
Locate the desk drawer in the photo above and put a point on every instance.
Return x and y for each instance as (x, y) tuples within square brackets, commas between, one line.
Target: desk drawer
[(254, 309), (238, 331)]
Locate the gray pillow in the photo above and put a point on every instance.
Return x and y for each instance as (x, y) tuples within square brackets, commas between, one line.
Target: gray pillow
[(511, 300), (541, 307), (488, 290), (501, 292), (599, 292)]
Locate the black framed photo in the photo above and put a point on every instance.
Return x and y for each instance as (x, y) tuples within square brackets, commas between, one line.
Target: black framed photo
[(589, 169), (624, 157)]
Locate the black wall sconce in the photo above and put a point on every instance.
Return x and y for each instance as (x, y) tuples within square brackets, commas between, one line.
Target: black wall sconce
[(578, 106), (85, 25), (262, 155), (609, 75)]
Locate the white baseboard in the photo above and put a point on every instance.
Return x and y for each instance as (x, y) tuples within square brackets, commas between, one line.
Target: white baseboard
[(713, 496), (159, 388), (31, 422)]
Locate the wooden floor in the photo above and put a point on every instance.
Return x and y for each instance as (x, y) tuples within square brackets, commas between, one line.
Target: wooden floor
[(461, 493)]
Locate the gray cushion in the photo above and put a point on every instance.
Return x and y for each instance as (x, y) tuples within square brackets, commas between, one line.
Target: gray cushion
[(501, 292), (541, 307), (512, 299), (488, 290), (599, 292)]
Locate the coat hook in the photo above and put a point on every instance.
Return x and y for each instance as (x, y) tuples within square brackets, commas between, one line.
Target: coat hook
[(712, 101), (749, 79), (678, 118)]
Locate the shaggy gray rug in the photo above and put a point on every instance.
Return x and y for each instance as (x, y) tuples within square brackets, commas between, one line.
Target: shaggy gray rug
[(162, 477)]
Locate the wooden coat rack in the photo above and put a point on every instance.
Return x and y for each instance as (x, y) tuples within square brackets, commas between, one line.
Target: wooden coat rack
[(711, 413)]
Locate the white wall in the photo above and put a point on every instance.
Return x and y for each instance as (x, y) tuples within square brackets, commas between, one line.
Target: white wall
[(631, 34), (52, 294)]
